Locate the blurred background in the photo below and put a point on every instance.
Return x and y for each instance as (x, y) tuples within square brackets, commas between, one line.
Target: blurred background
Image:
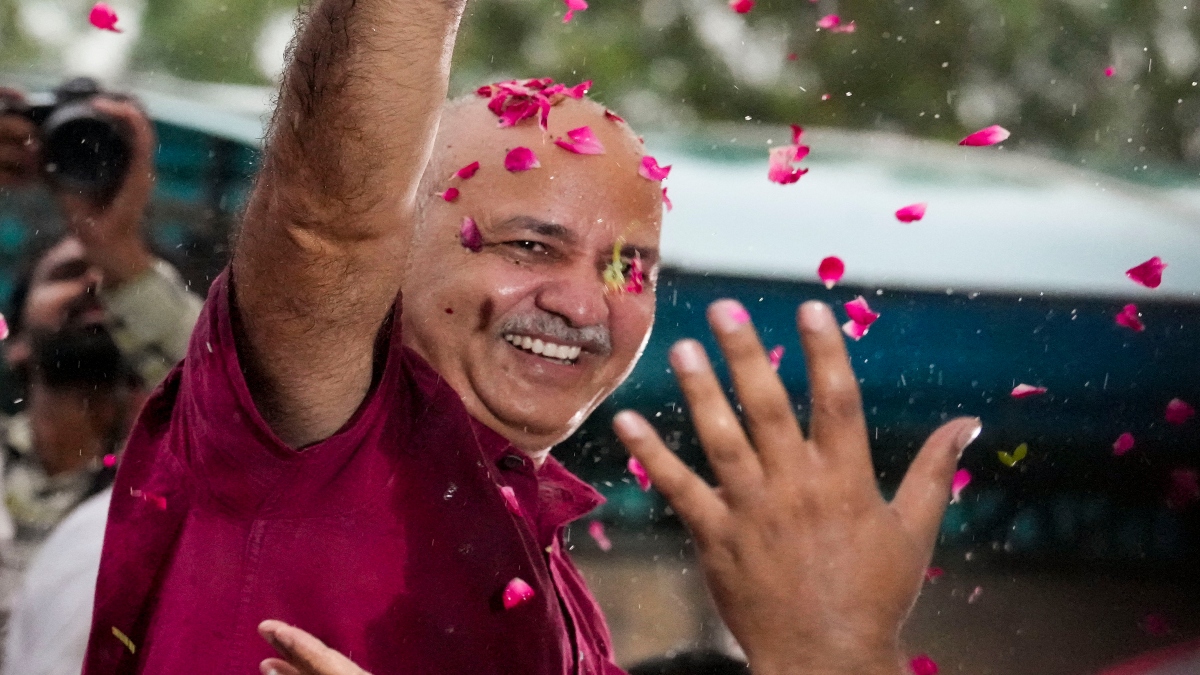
[(1071, 560)]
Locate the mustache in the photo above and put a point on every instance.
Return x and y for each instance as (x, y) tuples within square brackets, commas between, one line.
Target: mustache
[(595, 339)]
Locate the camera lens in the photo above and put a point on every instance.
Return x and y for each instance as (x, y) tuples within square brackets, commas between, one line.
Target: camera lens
[(85, 151)]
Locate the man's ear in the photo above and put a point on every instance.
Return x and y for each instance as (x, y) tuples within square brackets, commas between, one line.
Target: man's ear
[(18, 351)]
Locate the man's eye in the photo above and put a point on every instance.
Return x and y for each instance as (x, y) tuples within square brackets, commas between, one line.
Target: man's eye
[(530, 246)]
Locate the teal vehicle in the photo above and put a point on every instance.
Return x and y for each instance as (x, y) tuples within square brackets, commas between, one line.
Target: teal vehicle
[(1014, 276)]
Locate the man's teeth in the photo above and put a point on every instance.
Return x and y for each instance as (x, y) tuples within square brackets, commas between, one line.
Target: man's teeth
[(547, 349)]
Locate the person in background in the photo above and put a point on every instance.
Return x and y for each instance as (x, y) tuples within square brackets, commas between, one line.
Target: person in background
[(96, 322), (697, 662)]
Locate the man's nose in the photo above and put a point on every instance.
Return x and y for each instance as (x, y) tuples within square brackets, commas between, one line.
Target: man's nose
[(93, 279), (577, 296)]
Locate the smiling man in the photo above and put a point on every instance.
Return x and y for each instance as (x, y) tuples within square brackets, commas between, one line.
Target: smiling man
[(358, 440)]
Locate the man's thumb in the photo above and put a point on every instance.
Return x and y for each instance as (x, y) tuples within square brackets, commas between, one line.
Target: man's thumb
[(923, 495)]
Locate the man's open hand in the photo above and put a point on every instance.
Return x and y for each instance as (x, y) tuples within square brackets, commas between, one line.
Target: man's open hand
[(302, 653), (811, 569)]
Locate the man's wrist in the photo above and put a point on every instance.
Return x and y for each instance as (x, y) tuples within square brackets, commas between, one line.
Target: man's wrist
[(799, 661), (122, 261)]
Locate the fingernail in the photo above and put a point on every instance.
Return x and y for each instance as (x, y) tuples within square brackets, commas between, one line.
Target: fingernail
[(968, 436), (815, 316), (687, 356), (628, 424), (729, 315)]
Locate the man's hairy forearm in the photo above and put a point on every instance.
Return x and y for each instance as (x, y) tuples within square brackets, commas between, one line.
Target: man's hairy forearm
[(357, 113)]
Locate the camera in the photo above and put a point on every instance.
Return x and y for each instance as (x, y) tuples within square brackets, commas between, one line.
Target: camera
[(83, 150)]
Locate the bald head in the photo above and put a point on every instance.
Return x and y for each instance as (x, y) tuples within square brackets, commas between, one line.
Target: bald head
[(522, 325)]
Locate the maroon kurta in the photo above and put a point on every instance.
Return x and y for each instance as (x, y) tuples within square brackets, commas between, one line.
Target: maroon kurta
[(390, 541)]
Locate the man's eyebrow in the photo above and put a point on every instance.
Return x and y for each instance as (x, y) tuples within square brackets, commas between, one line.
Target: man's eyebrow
[(537, 226), (649, 254)]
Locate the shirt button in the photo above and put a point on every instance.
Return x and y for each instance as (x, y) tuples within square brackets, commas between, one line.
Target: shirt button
[(512, 462)]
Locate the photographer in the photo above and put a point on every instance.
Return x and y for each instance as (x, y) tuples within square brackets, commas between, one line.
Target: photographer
[(96, 323)]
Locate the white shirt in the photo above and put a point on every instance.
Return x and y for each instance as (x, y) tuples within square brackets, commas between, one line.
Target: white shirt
[(52, 615)]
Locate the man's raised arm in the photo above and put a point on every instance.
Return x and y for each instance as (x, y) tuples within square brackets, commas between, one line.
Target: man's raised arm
[(324, 243)]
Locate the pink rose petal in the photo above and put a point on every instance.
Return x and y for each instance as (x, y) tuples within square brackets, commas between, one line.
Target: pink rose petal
[(912, 212), (1123, 444), (859, 311), (1027, 390), (104, 17), (741, 6), (572, 7), (797, 132), (792, 56), (637, 278), (517, 593), (510, 499), (469, 236), (989, 136), (831, 270), (1184, 489), (608, 114), (923, 665), (780, 169), (580, 90), (157, 501), (826, 97), (775, 356), (650, 170), (975, 594), (932, 574), (1110, 71), (666, 202), (1130, 318), (962, 478), (1179, 412), (596, 530), (855, 330), (3, 328), (514, 101), (467, 171), (583, 142), (109, 461), (1149, 273), (639, 472), (450, 194), (829, 21), (521, 159)]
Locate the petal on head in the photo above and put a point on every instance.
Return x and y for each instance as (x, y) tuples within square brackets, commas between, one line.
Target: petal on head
[(582, 142), (610, 115), (521, 159), (450, 194), (650, 170), (467, 171), (469, 235)]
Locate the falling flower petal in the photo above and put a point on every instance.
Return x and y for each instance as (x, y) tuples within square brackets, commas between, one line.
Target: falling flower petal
[(974, 597), (911, 213), (450, 194), (780, 168), (3, 328), (469, 236), (109, 460), (510, 499), (829, 21), (596, 530), (797, 132), (1110, 71), (1149, 273), (826, 97), (639, 472), (776, 356), (741, 6), (1123, 444), (1184, 488), (792, 56), (1130, 318), (608, 114), (666, 202), (962, 478), (1010, 459), (1027, 390), (104, 17), (572, 7), (932, 574), (637, 279), (583, 142), (855, 330), (521, 159), (989, 136), (516, 593), (831, 270), (1155, 624), (467, 171), (650, 170), (124, 639), (859, 311), (614, 271), (1179, 412), (923, 665)]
